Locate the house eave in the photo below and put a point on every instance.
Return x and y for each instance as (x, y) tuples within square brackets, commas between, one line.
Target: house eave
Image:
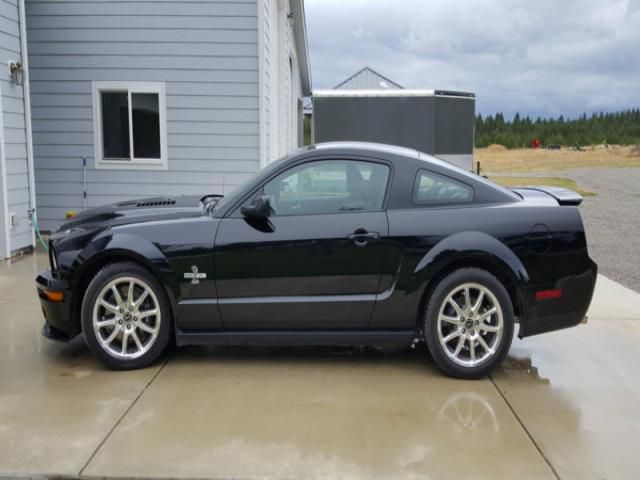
[(302, 48)]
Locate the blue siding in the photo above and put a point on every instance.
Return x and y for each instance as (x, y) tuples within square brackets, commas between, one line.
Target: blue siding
[(14, 131), (206, 53)]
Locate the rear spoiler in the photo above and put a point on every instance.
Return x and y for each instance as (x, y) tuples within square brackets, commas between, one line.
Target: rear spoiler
[(562, 195)]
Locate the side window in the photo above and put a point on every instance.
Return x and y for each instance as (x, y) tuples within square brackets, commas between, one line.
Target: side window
[(431, 188), (328, 186), (130, 125)]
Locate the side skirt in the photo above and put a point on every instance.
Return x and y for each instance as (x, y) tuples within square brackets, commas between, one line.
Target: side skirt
[(382, 338)]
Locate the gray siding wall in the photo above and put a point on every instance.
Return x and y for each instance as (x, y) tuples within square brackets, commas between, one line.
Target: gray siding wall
[(206, 52), (14, 133)]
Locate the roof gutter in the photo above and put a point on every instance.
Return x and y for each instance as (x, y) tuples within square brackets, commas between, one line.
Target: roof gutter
[(302, 48), (392, 92)]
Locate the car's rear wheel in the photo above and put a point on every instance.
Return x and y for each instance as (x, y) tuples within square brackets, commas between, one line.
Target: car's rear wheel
[(469, 323), (126, 316)]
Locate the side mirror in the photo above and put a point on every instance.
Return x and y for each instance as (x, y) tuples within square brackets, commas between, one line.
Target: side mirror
[(259, 208)]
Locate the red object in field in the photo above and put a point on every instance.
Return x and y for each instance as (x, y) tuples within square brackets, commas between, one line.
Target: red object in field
[(547, 294), (535, 143)]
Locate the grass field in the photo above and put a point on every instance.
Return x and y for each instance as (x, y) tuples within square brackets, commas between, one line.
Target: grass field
[(498, 160), (526, 167), (563, 182)]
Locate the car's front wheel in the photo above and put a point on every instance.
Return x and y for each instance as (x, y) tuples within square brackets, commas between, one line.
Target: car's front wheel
[(126, 316), (469, 323)]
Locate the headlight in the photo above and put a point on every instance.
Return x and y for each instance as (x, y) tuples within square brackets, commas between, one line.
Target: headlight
[(52, 258)]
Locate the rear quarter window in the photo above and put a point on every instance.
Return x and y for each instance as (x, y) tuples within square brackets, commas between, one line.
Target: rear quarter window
[(434, 189)]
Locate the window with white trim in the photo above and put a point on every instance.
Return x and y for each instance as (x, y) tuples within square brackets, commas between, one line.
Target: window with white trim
[(130, 125)]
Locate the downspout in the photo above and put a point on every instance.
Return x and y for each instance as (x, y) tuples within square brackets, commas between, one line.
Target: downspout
[(5, 244), (26, 93)]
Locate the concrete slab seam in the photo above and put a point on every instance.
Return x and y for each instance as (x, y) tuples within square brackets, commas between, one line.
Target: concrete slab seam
[(526, 430), (135, 400)]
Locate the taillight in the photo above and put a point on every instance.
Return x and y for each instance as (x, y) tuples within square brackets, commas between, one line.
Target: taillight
[(548, 294)]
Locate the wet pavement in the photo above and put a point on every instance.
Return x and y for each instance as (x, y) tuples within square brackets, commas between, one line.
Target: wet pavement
[(563, 405)]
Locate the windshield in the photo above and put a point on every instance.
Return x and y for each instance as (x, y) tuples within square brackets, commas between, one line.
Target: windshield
[(249, 184)]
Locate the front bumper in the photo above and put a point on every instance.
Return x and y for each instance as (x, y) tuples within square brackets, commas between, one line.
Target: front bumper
[(59, 321), (540, 316)]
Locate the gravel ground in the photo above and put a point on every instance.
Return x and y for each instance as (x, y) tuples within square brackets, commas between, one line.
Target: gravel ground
[(612, 221)]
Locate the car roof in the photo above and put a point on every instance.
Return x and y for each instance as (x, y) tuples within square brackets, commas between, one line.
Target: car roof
[(382, 150), (355, 147), (410, 159)]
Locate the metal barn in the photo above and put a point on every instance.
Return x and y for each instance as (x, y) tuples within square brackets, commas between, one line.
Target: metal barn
[(437, 122)]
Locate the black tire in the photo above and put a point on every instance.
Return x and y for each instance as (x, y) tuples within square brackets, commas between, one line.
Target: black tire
[(101, 280), (436, 301)]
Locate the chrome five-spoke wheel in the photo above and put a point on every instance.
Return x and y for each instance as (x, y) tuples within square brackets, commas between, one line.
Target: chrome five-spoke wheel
[(126, 317), (470, 324)]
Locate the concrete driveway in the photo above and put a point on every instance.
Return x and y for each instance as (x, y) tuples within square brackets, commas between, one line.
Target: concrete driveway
[(564, 405)]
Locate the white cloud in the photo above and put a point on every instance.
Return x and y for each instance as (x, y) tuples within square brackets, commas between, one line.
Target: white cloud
[(541, 58)]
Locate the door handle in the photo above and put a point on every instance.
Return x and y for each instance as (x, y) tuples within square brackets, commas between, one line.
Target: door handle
[(361, 237)]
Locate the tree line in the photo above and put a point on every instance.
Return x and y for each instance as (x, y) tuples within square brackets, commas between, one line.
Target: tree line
[(622, 128)]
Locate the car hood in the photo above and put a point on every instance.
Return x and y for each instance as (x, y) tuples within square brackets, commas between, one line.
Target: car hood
[(137, 211)]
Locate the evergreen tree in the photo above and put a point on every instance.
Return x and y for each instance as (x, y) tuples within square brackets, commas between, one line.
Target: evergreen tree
[(611, 128)]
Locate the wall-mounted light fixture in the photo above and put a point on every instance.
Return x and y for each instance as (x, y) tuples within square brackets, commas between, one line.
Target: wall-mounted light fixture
[(17, 72), (290, 19)]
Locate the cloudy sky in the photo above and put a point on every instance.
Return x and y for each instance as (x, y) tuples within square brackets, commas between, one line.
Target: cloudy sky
[(543, 57)]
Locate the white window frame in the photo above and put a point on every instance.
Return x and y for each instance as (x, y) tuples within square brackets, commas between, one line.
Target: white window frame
[(133, 163)]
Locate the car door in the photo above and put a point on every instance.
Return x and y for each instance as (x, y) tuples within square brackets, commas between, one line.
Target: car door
[(315, 262)]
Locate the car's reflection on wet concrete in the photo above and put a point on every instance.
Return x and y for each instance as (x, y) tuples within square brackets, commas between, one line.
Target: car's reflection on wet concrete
[(293, 413), (560, 405)]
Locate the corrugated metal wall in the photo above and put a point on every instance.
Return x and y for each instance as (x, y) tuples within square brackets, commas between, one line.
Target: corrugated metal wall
[(14, 132), (205, 51)]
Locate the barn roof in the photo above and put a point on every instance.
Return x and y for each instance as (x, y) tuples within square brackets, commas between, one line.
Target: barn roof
[(368, 79)]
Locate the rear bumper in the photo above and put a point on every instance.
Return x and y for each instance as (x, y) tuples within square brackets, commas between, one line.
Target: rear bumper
[(58, 319), (569, 310)]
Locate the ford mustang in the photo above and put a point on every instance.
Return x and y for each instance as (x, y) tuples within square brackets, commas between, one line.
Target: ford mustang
[(344, 244)]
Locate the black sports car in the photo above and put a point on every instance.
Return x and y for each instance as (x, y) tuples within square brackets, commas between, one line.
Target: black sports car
[(335, 244)]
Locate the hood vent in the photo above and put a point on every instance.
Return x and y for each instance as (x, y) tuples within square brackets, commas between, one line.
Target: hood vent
[(156, 202)]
